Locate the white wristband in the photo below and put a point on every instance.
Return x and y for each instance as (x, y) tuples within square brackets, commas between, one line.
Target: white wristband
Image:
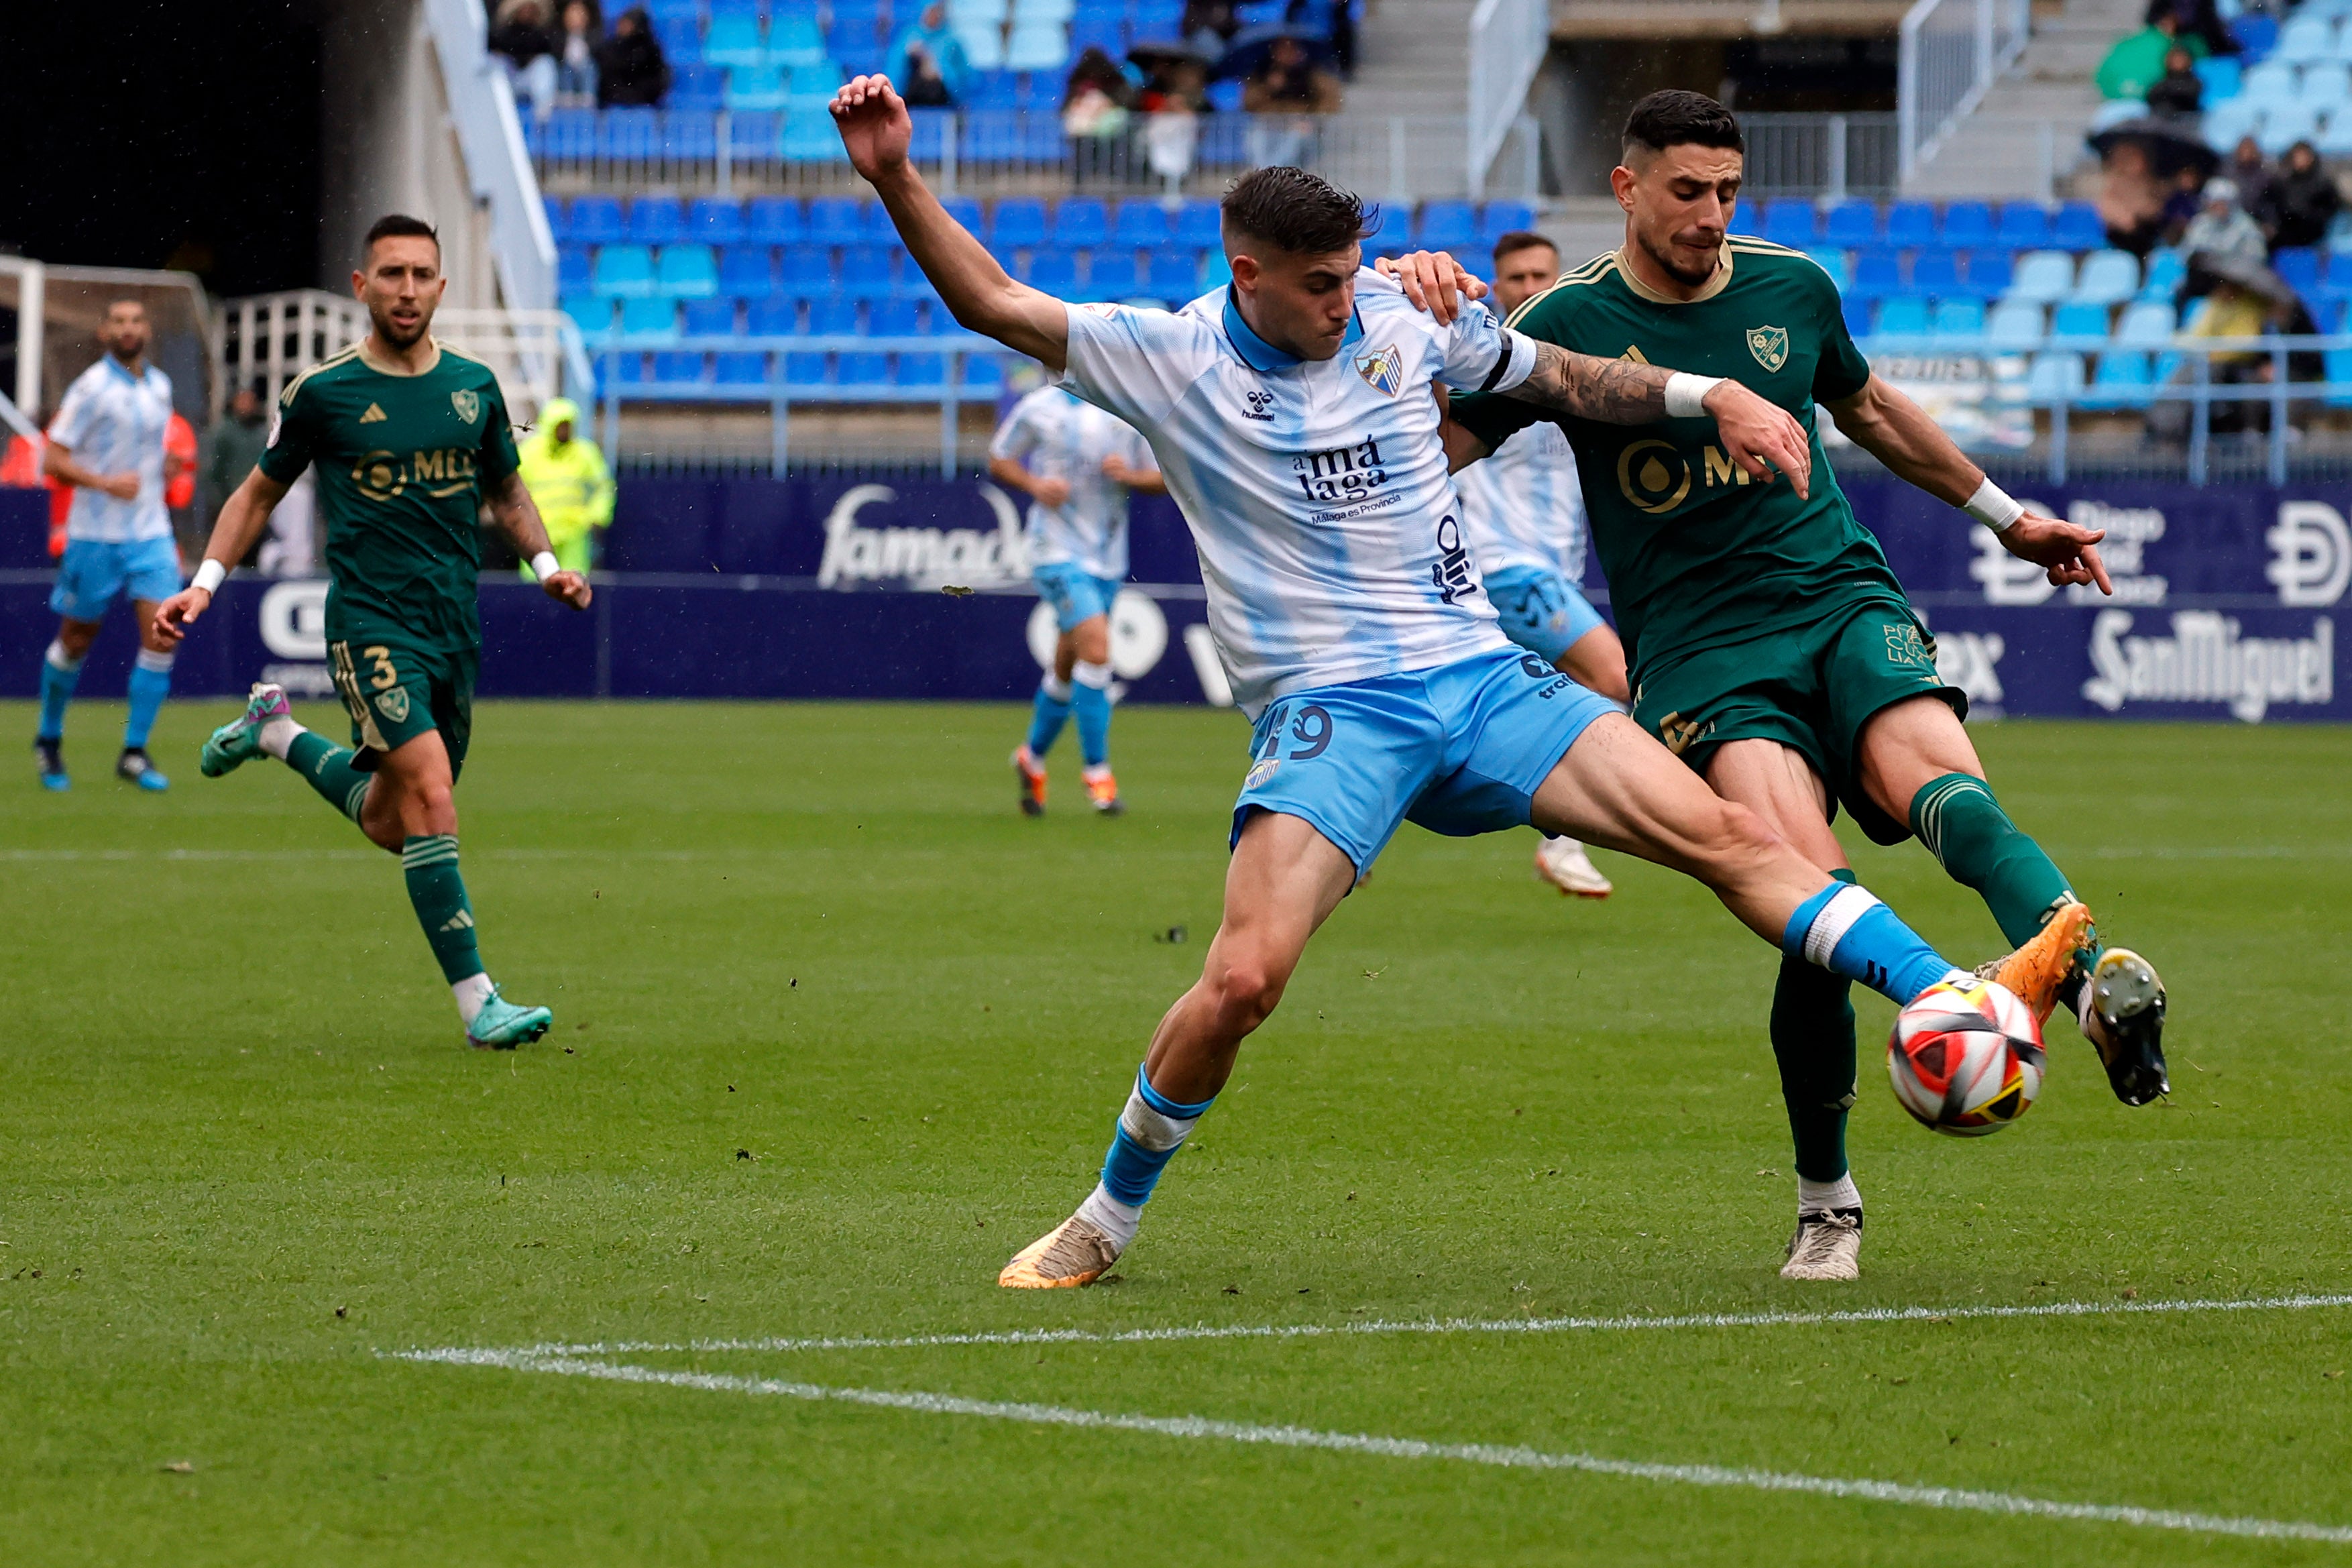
[(544, 565), (210, 575), (1993, 507), (1686, 395)]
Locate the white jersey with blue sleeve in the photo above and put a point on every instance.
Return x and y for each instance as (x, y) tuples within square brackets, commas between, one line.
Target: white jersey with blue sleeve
[(1524, 505), (1317, 491), (1055, 436), (114, 423)]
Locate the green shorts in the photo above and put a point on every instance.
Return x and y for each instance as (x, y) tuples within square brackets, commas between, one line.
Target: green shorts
[(1811, 688), (396, 691)]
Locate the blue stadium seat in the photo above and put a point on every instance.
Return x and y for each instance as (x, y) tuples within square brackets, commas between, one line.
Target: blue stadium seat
[(680, 39), (689, 138), (1055, 272), (774, 220), (1957, 323), (808, 270), (773, 316), (866, 272), (1857, 316), (985, 373), (650, 318), (655, 220), (1175, 275), (739, 368), (1080, 223), (898, 318), (794, 40), (1903, 316), (753, 137), (1989, 273), (1910, 225), (697, 87), (805, 371), (835, 220), (2287, 124), (1499, 219), (2124, 379), (1038, 47), (1197, 223), (625, 272), (628, 135), (2054, 377), (2299, 265), (2078, 227), (874, 224), (2024, 225), (1877, 273), (710, 318), (715, 221), (1834, 262), (2108, 278), (1017, 221), (1141, 226), (2222, 75), (863, 369), (2145, 325), (572, 273), (2044, 277), (2014, 325), (596, 220), (922, 370), (966, 211), (686, 272), (1115, 276), (2257, 34), (2079, 321), (2305, 40), (1936, 274), (1444, 226), (626, 369), (678, 367), (1851, 224), (590, 313), (558, 216), (1795, 224), (734, 40), (570, 135), (833, 317), (808, 136), (746, 272), (1967, 225)]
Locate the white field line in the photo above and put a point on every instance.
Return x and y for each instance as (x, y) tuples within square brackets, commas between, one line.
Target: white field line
[(1448, 1326), (1508, 1457)]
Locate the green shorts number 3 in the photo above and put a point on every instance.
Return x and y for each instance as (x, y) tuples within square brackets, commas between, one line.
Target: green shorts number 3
[(395, 692)]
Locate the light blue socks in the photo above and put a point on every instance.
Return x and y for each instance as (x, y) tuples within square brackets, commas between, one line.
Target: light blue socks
[(1051, 711), (60, 676), (151, 682), (1090, 699), (1845, 930)]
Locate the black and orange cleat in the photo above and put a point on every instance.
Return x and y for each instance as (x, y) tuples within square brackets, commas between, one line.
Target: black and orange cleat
[(2122, 1015), (1032, 774)]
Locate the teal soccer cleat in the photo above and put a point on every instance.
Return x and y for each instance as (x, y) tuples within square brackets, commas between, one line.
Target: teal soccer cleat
[(52, 761), (134, 766), (501, 1025), (239, 741)]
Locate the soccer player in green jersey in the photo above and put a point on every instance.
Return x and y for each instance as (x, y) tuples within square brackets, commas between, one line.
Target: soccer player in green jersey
[(1772, 647), (409, 438)]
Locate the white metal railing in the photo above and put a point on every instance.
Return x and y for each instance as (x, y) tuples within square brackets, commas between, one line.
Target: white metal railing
[(1952, 51), (264, 340), (1827, 156), (986, 151), (1508, 40), (498, 166)]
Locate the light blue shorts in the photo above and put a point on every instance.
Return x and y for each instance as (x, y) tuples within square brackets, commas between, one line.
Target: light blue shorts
[(1542, 611), (1076, 594), (93, 572), (1459, 749)]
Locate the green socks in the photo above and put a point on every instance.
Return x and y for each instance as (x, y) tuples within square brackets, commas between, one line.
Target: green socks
[(1813, 1040), (429, 863), (327, 768), (1963, 826)]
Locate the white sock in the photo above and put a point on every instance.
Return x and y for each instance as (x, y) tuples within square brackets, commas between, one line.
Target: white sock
[(277, 735), (1053, 686), (471, 993), (1820, 1197), (1098, 675), (1096, 773), (1116, 1220), (59, 660)]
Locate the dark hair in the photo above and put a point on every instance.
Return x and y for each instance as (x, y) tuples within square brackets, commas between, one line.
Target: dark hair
[(1675, 118), (1520, 239), (126, 300), (1295, 211), (399, 225)]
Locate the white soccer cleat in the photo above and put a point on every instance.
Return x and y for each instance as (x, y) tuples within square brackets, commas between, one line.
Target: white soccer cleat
[(1563, 863), (1826, 1246)]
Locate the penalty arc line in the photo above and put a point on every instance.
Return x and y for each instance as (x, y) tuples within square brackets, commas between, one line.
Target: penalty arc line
[(1452, 1326), (1510, 1457)]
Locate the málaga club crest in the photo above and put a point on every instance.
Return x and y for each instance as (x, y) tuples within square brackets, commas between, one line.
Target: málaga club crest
[(1383, 369)]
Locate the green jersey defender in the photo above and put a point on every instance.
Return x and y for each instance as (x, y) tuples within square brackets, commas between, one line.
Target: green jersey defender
[(409, 440), (1771, 646)]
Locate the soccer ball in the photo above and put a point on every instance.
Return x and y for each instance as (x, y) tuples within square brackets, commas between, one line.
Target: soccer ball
[(1966, 1058)]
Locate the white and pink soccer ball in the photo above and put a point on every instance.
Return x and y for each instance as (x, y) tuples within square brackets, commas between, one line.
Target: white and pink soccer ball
[(1966, 1058)]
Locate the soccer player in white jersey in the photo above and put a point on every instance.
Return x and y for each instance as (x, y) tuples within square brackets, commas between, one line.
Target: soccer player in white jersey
[(1294, 418), (1525, 511), (107, 442), (1077, 465)]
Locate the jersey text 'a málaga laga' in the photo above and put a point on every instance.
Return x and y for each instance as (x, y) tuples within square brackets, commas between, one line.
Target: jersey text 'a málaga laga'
[(1697, 554), (403, 462), (1317, 491)]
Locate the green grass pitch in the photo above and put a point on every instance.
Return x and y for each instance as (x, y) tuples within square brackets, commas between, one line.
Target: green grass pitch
[(837, 1030)]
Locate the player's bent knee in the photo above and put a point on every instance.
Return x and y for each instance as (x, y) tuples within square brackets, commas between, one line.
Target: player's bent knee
[(1247, 991)]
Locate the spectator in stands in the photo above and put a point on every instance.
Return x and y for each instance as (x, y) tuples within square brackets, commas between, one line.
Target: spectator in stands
[(2184, 199), (2301, 201), (523, 40), (630, 68), (2199, 22), (565, 473), (2180, 91), (2222, 227), (575, 57), (1174, 97), (232, 446), (1096, 98), (1284, 93), (2250, 173), (1209, 26), (2136, 62), (2233, 309), (927, 62)]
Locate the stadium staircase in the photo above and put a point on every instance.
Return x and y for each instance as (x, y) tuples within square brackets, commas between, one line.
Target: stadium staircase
[(2025, 138)]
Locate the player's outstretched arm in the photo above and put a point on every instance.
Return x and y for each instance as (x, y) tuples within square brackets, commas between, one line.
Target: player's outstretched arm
[(59, 463), (242, 521), (876, 129), (518, 518), (1043, 488), (1896, 431)]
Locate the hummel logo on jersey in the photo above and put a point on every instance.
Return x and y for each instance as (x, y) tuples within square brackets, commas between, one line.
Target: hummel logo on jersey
[(374, 414), (1382, 370), (1259, 403), (1451, 572), (461, 920)]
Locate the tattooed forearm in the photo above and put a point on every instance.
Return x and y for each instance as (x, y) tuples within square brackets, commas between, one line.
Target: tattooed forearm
[(1606, 391)]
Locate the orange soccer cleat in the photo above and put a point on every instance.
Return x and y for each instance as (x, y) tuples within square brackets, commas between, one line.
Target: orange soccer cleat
[(1032, 773)]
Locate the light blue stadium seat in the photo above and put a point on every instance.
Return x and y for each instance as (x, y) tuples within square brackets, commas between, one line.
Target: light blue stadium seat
[(715, 221), (1043, 11), (1080, 223), (686, 272), (1910, 225), (2222, 75), (1967, 226), (774, 220), (773, 317), (760, 87), (2306, 38), (992, 12), (740, 367), (1445, 225), (655, 220), (2055, 376), (1017, 221), (2338, 367), (2044, 277), (983, 46), (2229, 120), (808, 136), (1957, 323), (1497, 219), (1851, 224), (2273, 81), (2014, 325), (817, 78), (794, 40), (649, 318), (1175, 274), (734, 40), (1833, 262), (1038, 47), (2334, 139), (2326, 86), (590, 312), (709, 318), (2285, 124), (624, 271), (1903, 316), (2114, 112), (2145, 325), (1141, 226), (2078, 321), (2124, 379), (2108, 278), (2077, 227)]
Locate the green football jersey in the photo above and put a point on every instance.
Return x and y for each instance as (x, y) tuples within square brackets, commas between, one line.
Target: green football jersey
[(401, 463), (1697, 554)]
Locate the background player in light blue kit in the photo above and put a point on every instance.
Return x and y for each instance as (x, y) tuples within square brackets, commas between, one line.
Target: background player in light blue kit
[(1525, 513), (1075, 464), (107, 442)]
